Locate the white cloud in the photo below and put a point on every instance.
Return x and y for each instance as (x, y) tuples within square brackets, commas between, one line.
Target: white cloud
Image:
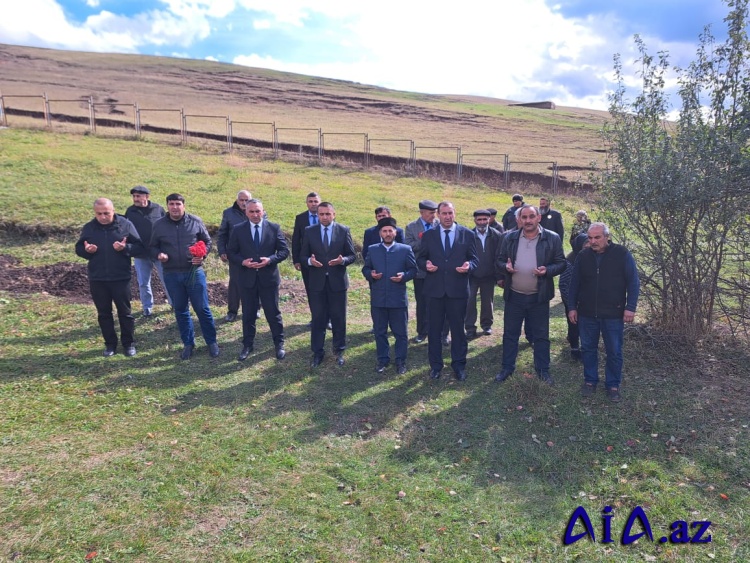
[(92, 3), (261, 24)]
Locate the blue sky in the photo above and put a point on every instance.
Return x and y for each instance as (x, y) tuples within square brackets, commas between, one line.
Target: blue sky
[(512, 49)]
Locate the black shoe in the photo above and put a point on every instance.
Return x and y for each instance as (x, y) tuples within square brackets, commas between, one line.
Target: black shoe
[(588, 389), (546, 378), (280, 352), (471, 334), (246, 351), (419, 338), (401, 369), (614, 394), (213, 350), (372, 332), (308, 326), (109, 351), (487, 331), (147, 314), (502, 376), (459, 374), (316, 361), (575, 353), (340, 359), (435, 373), (129, 351), (380, 368), (231, 317), (187, 352), (446, 341)]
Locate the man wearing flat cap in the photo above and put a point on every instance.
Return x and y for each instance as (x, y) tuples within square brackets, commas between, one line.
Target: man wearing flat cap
[(143, 214), (484, 277), (413, 237), (388, 266), (509, 219), (493, 221)]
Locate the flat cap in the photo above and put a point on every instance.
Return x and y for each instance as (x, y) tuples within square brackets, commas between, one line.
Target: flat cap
[(517, 197), (480, 212), (140, 190), (492, 210), (428, 204)]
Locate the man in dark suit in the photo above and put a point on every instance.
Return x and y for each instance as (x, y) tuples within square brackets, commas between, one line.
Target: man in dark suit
[(256, 247), (327, 249), (413, 237), (372, 235), (448, 254), (483, 279), (301, 222), (388, 266), (551, 219)]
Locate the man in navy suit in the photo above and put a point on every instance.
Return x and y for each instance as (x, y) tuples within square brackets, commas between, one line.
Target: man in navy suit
[(327, 249), (388, 266), (256, 247), (448, 254), (301, 222), (372, 235)]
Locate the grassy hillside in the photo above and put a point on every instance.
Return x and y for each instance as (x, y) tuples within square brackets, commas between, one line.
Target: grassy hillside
[(152, 459), (568, 136)]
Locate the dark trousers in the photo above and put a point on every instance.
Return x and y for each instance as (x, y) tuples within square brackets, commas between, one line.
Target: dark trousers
[(269, 298), (397, 318), (234, 291), (104, 293), (520, 309), (573, 335), (421, 300), (485, 288), (452, 311), (324, 305)]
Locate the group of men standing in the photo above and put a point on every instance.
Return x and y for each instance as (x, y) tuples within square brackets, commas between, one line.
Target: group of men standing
[(450, 265)]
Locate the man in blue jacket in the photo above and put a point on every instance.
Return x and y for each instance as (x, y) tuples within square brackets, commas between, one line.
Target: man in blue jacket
[(448, 255), (107, 242), (530, 257), (388, 266)]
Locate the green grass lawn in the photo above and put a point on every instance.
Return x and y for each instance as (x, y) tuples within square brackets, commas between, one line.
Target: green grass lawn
[(153, 459)]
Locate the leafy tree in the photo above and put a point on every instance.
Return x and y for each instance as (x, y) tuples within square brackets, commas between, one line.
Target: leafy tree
[(676, 191)]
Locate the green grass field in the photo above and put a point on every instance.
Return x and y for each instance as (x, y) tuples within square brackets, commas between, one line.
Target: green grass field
[(153, 459)]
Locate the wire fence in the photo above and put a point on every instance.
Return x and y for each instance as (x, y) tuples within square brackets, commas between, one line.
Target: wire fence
[(444, 162)]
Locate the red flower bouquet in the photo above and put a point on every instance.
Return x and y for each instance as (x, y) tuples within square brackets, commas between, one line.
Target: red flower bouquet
[(198, 250)]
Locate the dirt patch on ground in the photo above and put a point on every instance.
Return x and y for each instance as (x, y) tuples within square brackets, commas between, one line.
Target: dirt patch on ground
[(70, 281)]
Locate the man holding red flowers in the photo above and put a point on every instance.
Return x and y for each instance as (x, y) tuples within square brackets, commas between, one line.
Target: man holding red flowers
[(173, 243)]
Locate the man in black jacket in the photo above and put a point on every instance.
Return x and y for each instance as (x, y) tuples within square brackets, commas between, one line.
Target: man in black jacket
[(509, 218), (257, 247), (603, 296), (107, 242), (305, 219), (484, 278), (529, 258), (232, 216), (184, 277), (551, 219), (143, 214)]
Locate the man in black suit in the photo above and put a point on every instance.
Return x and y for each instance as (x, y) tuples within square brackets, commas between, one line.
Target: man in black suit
[(372, 235), (551, 219), (327, 249), (483, 279), (256, 247), (448, 254), (306, 219)]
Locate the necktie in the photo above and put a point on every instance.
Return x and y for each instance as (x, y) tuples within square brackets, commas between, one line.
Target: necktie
[(314, 219), (427, 226), (447, 240), (325, 238), (256, 237)]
